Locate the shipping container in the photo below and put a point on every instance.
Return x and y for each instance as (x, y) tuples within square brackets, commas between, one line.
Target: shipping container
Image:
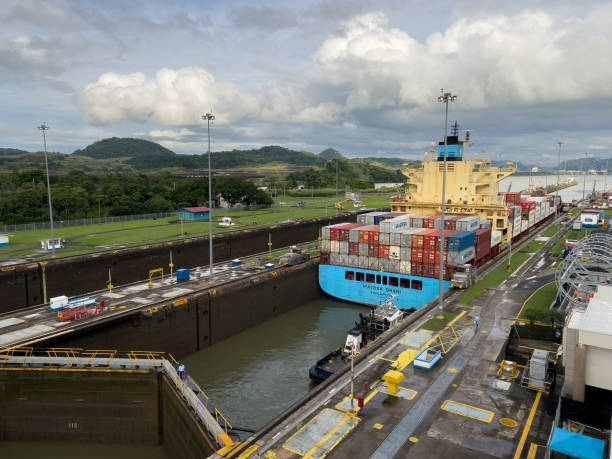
[(353, 248), (406, 253), (483, 243), (394, 252), (324, 259), (373, 263), (395, 224), (368, 218), (450, 222), (334, 246), (431, 239), (325, 246), (344, 247), (516, 229), (354, 233), (383, 251), (468, 224), (496, 237), (486, 224), (429, 256), (394, 266), (383, 238), (325, 231), (353, 261), (416, 222), (405, 267), (373, 250), (457, 258), (429, 222), (417, 255), (383, 264), (395, 238), (461, 241), (437, 258), (345, 230), (364, 233), (373, 236), (363, 262), (524, 226), (363, 249), (416, 268)]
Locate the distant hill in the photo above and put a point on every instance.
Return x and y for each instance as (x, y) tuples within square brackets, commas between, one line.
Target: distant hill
[(330, 153), (116, 147), (12, 151)]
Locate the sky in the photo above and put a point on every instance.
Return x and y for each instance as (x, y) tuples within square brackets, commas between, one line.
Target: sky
[(359, 76)]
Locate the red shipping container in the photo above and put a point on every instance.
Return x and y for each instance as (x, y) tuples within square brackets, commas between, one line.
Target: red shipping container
[(383, 251), (364, 236), (431, 239), (324, 259), (483, 243), (450, 222), (429, 222), (373, 250), (527, 205), (417, 240), (428, 270), (429, 256), (334, 233), (437, 258), (416, 268), (417, 255), (353, 248), (373, 235)]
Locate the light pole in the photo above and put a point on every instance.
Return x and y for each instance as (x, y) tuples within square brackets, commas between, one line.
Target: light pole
[(558, 171), (43, 127), (445, 98), (211, 278), (586, 156)]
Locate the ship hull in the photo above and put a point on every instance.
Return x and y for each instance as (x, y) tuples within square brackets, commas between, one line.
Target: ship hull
[(333, 281)]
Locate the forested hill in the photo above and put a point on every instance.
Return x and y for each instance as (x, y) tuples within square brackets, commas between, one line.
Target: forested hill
[(12, 151), (145, 155)]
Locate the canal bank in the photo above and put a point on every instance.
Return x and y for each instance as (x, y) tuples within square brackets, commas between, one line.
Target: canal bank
[(194, 322), (24, 284)]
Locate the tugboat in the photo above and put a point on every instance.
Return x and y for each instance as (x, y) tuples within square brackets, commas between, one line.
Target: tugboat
[(369, 327)]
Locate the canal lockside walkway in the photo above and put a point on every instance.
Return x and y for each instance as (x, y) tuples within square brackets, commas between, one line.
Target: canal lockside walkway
[(463, 407)]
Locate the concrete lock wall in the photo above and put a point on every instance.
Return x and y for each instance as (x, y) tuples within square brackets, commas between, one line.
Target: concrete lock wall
[(206, 318), (22, 285), (122, 407)]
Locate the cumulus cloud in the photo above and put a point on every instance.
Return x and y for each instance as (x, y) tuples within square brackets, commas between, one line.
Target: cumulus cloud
[(370, 73)]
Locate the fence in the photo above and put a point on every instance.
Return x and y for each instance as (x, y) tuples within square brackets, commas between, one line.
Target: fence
[(83, 222)]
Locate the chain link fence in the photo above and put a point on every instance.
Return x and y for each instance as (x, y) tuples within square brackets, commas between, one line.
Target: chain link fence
[(83, 221)]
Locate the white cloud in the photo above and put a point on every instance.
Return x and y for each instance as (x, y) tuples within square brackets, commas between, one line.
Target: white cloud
[(596, 147), (170, 134)]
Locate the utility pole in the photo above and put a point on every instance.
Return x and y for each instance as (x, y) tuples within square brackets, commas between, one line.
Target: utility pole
[(210, 117), (586, 155), (558, 171), (43, 127), (445, 98)]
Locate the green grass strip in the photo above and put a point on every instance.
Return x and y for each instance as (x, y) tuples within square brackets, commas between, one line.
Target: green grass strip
[(436, 324), (550, 232), (494, 278), (537, 307)]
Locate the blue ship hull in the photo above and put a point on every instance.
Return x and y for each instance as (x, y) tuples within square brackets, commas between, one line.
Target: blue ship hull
[(411, 292)]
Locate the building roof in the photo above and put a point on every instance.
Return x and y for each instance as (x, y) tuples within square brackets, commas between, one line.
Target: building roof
[(196, 209), (598, 316)]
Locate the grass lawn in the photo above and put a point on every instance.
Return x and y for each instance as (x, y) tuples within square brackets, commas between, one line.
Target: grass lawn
[(571, 234), (100, 237), (550, 232), (532, 246), (436, 324), (608, 212), (493, 279), (537, 306)]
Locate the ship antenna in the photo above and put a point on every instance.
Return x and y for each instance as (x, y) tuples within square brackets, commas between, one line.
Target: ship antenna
[(455, 128)]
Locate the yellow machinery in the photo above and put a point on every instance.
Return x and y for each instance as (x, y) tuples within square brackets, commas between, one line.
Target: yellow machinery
[(152, 272), (393, 378), (339, 205)]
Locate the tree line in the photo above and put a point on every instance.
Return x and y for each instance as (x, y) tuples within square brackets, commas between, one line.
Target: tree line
[(23, 195)]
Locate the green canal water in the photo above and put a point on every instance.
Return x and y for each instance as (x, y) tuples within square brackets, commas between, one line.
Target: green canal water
[(250, 378)]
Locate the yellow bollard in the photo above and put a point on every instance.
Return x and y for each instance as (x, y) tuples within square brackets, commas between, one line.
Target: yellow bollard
[(393, 379)]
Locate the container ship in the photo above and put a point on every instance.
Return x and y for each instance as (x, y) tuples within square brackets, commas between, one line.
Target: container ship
[(398, 253)]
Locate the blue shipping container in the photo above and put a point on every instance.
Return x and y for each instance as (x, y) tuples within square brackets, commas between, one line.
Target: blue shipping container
[(182, 275), (461, 241)]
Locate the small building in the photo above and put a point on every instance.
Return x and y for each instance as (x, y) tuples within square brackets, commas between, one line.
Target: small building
[(195, 213), (50, 244), (4, 242), (592, 218), (587, 345)]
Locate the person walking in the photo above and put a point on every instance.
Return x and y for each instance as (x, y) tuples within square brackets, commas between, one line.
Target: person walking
[(477, 321), (181, 370)]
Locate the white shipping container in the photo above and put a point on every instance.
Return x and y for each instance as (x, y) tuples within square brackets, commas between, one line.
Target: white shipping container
[(496, 237), (383, 238), (344, 246), (468, 224), (395, 224), (517, 221), (363, 249), (524, 226), (404, 267), (363, 261), (394, 266), (353, 261), (531, 221), (343, 260), (532, 215), (373, 263), (395, 238), (383, 264), (516, 229), (335, 246), (459, 258), (394, 252), (326, 246), (334, 258), (325, 231), (406, 253), (354, 234)]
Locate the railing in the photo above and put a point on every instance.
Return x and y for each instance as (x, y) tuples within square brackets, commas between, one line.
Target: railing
[(196, 399)]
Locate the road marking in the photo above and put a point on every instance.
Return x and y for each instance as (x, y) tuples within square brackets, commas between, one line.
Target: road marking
[(10, 321), (378, 426), (534, 408), (32, 315), (24, 333), (468, 411), (533, 449)]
